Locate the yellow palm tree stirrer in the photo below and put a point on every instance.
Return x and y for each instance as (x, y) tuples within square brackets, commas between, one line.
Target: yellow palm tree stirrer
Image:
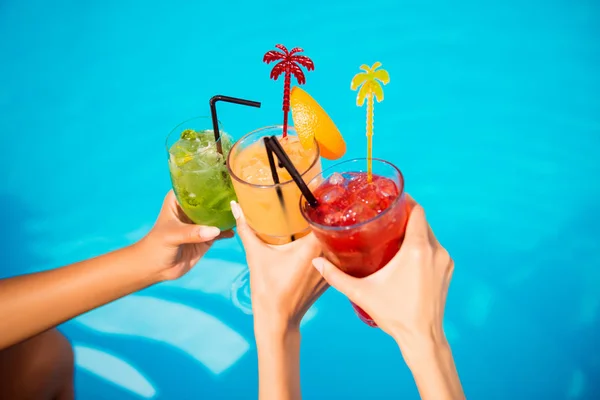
[(370, 89)]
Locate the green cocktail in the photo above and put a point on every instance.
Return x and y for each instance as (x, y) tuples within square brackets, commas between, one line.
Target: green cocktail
[(199, 175)]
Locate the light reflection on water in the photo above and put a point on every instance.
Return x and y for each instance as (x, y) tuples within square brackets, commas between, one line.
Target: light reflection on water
[(202, 336), (113, 369)]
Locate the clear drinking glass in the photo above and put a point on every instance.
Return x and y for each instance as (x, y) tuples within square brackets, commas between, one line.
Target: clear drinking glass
[(271, 209), (199, 173), (362, 248)]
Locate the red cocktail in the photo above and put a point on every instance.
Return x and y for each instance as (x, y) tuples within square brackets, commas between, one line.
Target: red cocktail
[(359, 222)]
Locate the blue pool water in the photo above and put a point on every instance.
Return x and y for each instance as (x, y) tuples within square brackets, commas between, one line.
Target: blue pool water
[(492, 112)]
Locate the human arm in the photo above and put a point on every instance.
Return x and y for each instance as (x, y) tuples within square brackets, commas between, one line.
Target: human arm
[(278, 350), (283, 286), (432, 366), (33, 303), (407, 299)]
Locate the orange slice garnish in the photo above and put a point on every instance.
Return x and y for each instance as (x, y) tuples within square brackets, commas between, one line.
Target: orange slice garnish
[(311, 121)]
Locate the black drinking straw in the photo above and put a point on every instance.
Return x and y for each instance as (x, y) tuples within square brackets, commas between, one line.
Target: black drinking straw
[(276, 148), (275, 176), (271, 161), (215, 120)]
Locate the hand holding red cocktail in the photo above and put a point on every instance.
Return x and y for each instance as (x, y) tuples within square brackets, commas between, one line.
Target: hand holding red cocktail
[(359, 218), (407, 297)]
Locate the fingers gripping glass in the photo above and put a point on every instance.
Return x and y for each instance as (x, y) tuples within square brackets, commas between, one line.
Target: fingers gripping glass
[(281, 197)]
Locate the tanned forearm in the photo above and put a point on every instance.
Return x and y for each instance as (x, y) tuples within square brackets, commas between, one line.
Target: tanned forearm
[(33, 303)]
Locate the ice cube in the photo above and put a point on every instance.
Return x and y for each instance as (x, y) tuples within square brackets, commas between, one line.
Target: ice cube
[(187, 145), (331, 194), (336, 179), (295, 151), (334, 218), (207, 138), (383, 204), (369, 195), (386, 187), (209, 155), (357, 181), (358, 212), (180, 154), (195, 163), (257, 172)]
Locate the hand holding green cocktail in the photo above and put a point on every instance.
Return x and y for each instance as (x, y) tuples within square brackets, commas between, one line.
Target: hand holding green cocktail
[(197, 163)]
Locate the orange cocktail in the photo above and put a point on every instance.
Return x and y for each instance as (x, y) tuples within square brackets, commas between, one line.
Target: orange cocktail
[(271, 209)]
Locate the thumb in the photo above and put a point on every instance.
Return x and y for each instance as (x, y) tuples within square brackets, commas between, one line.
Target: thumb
[(189, 233), (343, 282), (244, 231)]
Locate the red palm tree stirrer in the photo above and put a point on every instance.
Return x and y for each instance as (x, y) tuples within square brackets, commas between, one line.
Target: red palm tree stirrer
[(289, 65)]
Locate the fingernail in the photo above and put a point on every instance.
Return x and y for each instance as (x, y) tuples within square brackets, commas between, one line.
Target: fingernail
[(208, 232), (318, 264), (235, 209)]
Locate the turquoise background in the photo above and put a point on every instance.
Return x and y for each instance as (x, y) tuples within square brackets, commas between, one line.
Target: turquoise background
[(492, 113)]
